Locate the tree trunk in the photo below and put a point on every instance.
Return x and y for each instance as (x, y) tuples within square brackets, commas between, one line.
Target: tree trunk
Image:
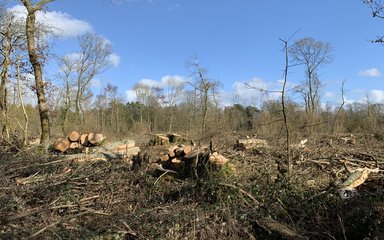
[(25, 128), (34, 59), (3, 81)]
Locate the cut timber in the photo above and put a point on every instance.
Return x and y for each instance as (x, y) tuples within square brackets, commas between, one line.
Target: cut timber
[(164, 158), (251, 143), (172, 151), (174, 138), (84, 139), (132, 151), (179, 152), (160, 139), (188, 149), (74, 145), (61, 144), (176, 161), (74, 136), (96, 138), (192, 154), (218, 159)]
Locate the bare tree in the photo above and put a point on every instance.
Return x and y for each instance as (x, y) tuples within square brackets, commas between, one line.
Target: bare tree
[(377, 9), (203, 85), (173, 90), (91, 60), (37, 68), (312, 54), (67, 67)]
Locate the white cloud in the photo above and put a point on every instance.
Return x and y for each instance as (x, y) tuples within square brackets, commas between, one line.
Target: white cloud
[(247, 95), (376, 96), (61, 24), (150, 83), (329, 94), (114, 59), (131, 95), (164, 82), (372, 72), (172, 81)]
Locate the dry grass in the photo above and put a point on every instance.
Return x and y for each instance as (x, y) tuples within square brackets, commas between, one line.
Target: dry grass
[(47, 197)]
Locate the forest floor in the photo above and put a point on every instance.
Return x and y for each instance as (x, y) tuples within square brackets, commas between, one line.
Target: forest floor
[(54, 197)]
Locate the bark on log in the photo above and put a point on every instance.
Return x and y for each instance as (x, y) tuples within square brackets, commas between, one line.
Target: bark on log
[(74, 136), (174, 138), (96, 138), (61, 144), (160, 139)]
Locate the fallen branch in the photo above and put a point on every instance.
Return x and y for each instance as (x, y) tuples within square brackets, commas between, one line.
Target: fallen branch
[(241, 190)]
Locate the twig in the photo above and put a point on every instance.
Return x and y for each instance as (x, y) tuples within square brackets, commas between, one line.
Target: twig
[(55, 223), (242, 191)]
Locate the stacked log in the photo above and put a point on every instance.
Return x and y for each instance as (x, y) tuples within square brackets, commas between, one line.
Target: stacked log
[(166, 139), (76, 141), (187, 160)]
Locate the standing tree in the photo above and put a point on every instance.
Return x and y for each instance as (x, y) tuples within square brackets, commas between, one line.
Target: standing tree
[(37, 68), (203, 85), (173, 89), (312, 54), (91, 60), (377, 9), (67, 67)]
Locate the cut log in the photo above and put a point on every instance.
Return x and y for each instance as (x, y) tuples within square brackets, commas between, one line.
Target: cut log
[(160, 139), (74, 136), (176, 161), (188, 149), (172, 150), (74, 145), (96, 138), (132, 151), (179, 152), (174, 138), (251, 143), (61, 144), (218, 159), (191, 155), (164, 158), (84, 139)]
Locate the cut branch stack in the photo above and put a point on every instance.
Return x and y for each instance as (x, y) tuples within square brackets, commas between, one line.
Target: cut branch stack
[(76, 141), (188, 160)]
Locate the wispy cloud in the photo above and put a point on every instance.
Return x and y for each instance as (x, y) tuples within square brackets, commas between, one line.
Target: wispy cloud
[(376, 96), (164, 82), (131, 95), (59, 23), (372, 72), (114, 59)]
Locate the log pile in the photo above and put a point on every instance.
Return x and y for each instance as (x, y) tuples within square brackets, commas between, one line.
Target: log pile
[(187, 160), (166, 139), (75, 141)]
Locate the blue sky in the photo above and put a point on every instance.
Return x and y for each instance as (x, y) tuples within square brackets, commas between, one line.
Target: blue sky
[(237, 40)]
